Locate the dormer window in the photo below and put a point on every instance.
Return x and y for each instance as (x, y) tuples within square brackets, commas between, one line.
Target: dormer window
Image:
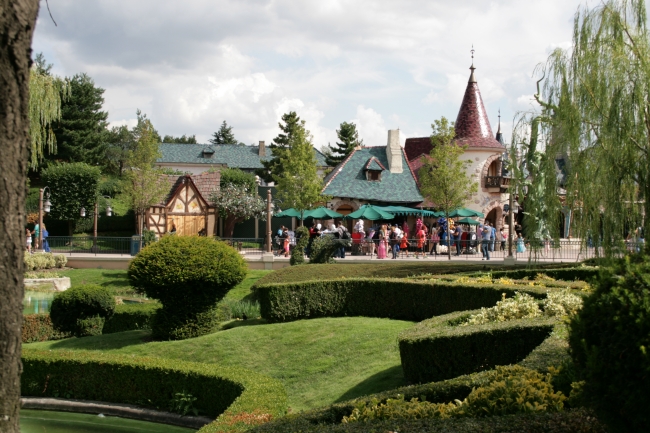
[(208, 152), (373, 169)]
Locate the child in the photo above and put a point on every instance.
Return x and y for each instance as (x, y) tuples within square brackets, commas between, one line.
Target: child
[(404, 246), (29, 240), (421, 237)]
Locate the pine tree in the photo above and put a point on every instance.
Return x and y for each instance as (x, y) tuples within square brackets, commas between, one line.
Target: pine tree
[(349, 137), (81, 133), (224, 135), (274, 167)]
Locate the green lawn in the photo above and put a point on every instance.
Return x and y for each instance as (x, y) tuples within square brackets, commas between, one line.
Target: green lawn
[(320, 361)]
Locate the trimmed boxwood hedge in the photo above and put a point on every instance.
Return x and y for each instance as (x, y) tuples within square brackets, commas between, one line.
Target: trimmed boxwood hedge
[(572, 421), (129, 317), (39, 327), (226, 393), (436, 350), (567, 274), (384, 298)]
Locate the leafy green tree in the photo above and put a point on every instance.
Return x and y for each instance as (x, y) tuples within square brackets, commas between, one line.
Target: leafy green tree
[(81, 132), (273, 167), (595, 111), (119, 144), (298, 184), (237, 199), (46, 93), (72, 186), (349, 139), (443, 178), (183, 139), (224, 135), (145, 186)]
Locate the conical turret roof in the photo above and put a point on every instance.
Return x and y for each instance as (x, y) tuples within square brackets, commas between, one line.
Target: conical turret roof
[(472, 124)]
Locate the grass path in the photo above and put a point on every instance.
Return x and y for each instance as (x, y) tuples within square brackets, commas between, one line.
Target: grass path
[(320, 361)]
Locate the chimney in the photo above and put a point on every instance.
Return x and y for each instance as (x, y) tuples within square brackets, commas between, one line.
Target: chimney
[(262, 149), (394, 152)]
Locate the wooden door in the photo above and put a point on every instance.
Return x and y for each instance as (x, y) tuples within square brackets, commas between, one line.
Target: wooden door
[(187, 225)]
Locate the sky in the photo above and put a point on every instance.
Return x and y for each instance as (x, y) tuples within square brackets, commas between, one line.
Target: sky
[(384, 65)]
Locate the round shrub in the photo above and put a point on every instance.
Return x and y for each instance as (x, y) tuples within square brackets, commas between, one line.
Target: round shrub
[(82, 310), (610, 345), (188, 275)]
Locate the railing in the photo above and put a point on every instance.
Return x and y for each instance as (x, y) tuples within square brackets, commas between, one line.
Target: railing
[(89, 245), (248, 246), (497, 181)]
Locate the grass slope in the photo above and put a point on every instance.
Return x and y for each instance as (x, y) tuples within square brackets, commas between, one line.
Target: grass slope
[(320, 361)]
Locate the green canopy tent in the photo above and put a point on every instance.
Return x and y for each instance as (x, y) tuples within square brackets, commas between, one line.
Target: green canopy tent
[(322, 213), (290, 213), (370, 212), (468, 221), (464, 212), (406, 211)]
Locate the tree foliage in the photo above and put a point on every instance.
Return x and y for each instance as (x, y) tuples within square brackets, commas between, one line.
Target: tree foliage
[(183, 139), (46, 93), (237, 199), (145, 186), (224, 135), (273, 167), (119, 145), (81, 132), (349, 139), (298, 184), (443, 178), (595, 111), (72, 186)]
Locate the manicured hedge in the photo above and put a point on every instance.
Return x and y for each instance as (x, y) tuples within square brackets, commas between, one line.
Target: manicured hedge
[(385, 298), (572, 421), (581, 273), (229, 394), (129, 317), (436, 350), (38, 327)]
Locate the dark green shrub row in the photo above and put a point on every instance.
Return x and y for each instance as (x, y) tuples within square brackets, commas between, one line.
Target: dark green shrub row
[(82, 310), (386, 298), (567, 274), (229, 393), (573, 421), (38, 327), (436, 350), (129, 317)]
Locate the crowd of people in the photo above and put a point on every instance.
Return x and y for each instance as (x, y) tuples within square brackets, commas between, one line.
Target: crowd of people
[(394, 240)]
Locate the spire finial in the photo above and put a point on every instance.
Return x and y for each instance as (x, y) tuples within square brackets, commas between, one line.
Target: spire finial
[(471, 77), (499, 128)]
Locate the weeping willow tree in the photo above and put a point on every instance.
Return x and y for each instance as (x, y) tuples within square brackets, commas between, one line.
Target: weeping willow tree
[(595, 115), (45, 94)]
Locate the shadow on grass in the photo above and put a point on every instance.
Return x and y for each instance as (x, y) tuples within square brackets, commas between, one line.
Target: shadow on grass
[(390, 378), (238, 323), (116, 280), (104, 342)]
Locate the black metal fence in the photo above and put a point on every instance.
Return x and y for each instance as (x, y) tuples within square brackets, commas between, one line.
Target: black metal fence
[(90, 244), (247, 246)]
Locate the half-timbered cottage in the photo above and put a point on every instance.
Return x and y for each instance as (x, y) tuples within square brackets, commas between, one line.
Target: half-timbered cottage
[(187, 206)]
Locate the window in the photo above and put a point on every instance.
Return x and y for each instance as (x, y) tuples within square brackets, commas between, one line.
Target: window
[(373, 175)]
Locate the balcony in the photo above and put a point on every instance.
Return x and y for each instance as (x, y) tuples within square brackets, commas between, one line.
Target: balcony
[(497, 183)]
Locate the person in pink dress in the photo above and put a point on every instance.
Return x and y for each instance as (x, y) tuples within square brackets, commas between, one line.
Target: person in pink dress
[(405, 229), (383, 239)]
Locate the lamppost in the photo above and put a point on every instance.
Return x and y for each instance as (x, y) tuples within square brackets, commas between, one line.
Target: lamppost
[(269, 248), (109, 212), (43, 206)]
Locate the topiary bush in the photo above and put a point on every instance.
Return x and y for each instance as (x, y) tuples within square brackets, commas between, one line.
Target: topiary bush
[(188, 275), (324, 247), (298, 253), (82, 310), (610, 344)]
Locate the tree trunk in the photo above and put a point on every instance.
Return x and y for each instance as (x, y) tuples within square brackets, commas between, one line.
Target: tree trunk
[(17, 21), (229, 226)]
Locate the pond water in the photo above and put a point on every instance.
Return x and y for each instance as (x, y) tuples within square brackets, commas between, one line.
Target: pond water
[(43, 421), (37, 302)]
